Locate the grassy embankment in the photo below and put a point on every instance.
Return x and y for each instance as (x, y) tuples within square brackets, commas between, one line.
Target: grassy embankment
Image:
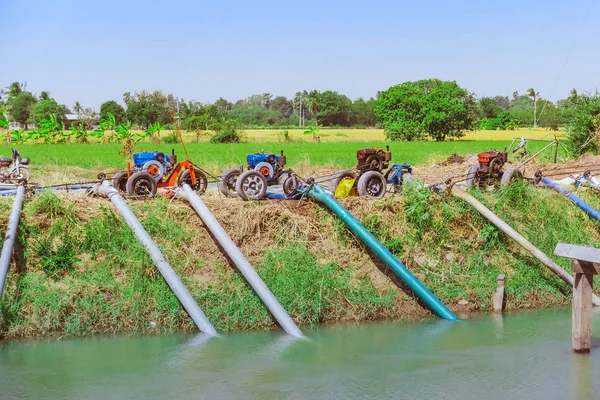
[(80, 270)]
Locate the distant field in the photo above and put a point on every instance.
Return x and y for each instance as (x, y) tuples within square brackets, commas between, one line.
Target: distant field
[(371, 135)]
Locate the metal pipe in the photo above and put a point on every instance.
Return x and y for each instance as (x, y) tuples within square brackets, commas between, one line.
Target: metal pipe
[(170, 276), (240, 261), (317, 192), (549, 183), (11, 234), (516, 236), (535, 155)]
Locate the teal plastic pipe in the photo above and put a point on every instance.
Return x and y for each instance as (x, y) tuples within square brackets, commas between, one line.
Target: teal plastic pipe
[(319, 194)]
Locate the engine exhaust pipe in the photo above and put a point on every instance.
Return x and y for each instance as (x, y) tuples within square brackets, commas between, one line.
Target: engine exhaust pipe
[(517, 237), (165, 269), (234, 253), (11, 234)]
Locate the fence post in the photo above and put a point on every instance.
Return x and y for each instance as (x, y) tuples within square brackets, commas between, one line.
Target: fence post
[(585, 264), (499, 295)]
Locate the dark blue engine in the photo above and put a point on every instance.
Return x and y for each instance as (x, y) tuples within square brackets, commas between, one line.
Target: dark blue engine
[(139, 159), (268, 164), (256, 158)]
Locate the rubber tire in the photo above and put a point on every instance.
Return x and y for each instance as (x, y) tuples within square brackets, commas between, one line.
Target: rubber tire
[(137, 178), (223, 182), (24, 175), (340, 176), (119, 181), (186, 177), (471, 175), (289, 190), (282, 178), (366, 179), (511, 174), (239, 186)]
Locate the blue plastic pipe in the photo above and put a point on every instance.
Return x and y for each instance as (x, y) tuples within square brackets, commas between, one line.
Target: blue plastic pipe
[(319, 194), (549, 183)]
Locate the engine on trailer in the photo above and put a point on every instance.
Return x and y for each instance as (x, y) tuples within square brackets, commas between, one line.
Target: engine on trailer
[(373, 159), (489, 172), (268, 164)]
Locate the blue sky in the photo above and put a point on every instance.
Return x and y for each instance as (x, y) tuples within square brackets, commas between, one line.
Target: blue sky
[(92, 51)]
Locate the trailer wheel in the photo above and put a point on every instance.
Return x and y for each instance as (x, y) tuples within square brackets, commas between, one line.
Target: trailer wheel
[(340, 176), (141, 185), (227, 182), (472, 177), (372, 184), (510, 175), (251, 185), (201, 180), (290, 187), (119, 181)]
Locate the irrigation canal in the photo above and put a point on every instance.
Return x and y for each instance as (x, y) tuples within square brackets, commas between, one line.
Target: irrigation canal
[(520, 356)]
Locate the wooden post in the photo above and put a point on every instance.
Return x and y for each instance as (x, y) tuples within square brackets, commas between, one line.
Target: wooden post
[(499, 295), (585, 264)]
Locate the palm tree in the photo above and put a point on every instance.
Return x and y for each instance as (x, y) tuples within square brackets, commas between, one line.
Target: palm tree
[(77, 108), (534, 95), (15, 89), (313, 106)]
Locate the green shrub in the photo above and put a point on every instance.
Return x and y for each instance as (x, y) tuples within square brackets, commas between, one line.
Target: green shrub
[(171, 138), (584, 127)]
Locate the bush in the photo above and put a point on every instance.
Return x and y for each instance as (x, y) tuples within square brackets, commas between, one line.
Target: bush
[(171, 138), (229, 133), (502, 122), (584, 128)]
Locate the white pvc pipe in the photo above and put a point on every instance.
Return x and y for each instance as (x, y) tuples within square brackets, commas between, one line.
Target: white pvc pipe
[(234, 253), (170, 276), (11, 234), (517, 237)]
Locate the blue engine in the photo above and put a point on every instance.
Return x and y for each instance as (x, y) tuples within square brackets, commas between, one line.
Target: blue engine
[(139, 159), (256, 158)]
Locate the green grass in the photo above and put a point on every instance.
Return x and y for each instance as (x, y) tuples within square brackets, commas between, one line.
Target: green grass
[(216, 157)]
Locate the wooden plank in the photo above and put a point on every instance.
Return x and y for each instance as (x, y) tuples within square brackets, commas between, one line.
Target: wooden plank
[(584, 267), (582, 313), (583, 253)]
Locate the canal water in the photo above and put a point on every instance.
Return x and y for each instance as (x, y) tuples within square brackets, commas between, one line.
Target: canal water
[(521, 356)]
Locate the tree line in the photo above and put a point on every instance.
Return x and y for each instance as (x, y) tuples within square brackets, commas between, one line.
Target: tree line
[(425, 109)]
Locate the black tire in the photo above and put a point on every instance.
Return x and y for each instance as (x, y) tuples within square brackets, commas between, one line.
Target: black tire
[(201, 180), (340, 176), (290, 187), (227, 182), (510, 175), (251, 185), (141, 185), (282, 178), (372, 184), (472, 178), (119, 181)]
